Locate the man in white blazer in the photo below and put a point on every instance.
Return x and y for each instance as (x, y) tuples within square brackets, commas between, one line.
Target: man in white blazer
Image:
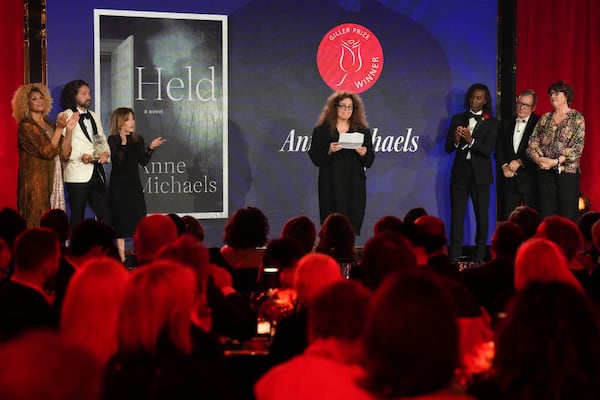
[(84, 173)]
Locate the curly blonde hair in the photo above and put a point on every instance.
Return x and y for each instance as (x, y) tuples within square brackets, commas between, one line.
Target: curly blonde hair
[(20, 100)]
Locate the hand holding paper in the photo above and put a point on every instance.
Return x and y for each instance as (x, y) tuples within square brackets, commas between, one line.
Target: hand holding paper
[(351, 140)]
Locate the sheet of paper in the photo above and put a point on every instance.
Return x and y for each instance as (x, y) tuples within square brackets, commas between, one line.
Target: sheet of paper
[(351, 140)]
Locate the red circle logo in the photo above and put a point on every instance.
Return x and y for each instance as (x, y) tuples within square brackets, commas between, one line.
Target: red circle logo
[(350, 58)]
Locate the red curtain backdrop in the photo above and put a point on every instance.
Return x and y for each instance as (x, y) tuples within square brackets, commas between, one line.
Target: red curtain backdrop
[(11, 77), (559, 40)]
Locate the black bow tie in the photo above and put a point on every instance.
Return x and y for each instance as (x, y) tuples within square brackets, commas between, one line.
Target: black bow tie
[(84, 116), (478, 117)]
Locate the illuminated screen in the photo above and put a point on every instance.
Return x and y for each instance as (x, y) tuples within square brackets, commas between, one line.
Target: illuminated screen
[(236, 87)]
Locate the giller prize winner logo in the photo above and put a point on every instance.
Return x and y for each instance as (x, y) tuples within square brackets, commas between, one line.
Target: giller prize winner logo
[(350, 58)]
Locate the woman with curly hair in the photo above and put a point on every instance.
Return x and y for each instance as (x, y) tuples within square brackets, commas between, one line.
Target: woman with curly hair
[(40, 183), (342, 177)]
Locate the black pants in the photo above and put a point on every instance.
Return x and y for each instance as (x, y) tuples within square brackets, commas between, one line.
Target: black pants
[(511, 199), (460, 190), (559, 194), (93, 192)]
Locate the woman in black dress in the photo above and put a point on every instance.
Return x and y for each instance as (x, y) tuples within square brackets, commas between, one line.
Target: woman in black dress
[(342, 178), (128, 152)]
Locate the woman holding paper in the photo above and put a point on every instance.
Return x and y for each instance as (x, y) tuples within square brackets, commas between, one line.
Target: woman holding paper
[(342, 149)]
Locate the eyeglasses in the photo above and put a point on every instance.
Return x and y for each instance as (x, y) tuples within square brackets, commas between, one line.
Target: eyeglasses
[(344, 107), (519, 104)]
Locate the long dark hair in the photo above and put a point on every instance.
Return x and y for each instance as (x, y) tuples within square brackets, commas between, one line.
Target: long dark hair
[(487, 107), (69, 93)]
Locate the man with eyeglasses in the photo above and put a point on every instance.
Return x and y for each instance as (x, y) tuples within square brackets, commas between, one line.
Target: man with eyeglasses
[(517, 173)]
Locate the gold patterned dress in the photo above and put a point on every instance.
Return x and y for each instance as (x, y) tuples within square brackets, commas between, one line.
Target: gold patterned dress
[(40, 173)]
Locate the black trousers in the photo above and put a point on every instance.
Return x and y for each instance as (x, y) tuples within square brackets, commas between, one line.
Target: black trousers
[(511, 199), (92, 192), (559, 194), (460, 191)]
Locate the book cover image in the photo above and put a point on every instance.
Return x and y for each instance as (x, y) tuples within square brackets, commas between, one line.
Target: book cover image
[(171, 69)]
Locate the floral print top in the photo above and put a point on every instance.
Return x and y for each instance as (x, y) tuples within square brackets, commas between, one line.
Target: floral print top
[(550, 139)]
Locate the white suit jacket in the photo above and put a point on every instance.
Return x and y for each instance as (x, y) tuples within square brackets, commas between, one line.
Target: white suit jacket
[(76, 171)]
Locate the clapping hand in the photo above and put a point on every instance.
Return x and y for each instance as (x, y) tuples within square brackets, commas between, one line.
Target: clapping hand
[(465, 133)]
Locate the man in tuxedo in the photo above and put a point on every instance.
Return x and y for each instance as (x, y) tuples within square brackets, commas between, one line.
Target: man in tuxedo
[(472, 137), (517, 173), (84, 173)]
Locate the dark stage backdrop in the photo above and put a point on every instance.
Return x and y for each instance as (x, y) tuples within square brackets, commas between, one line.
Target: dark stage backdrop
[(417, 58)]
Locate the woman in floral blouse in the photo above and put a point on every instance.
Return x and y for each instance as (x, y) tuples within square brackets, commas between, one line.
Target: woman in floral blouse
[(555, 146)]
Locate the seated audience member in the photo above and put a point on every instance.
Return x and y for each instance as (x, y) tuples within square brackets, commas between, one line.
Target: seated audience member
[(411, 339), (387, 223), (493, 282), (566, 235), (24, 304), (527, 218), (90, 240), (283, 253), (91, 307), (594, 273), (152, 232), (414, 213), (542, 260), (467, 304), (548, 348), (433, 240), (193, 227), (336, 238), (589, 256), (328, 366), (245, 234), (57, 220), (5, 259), (303, 230), (54, 219), (11, 225), (40, 365), (224, 312), (384, 254), (232, 314), (179, 223), (156, 357), (315, 271), (188, 252)]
